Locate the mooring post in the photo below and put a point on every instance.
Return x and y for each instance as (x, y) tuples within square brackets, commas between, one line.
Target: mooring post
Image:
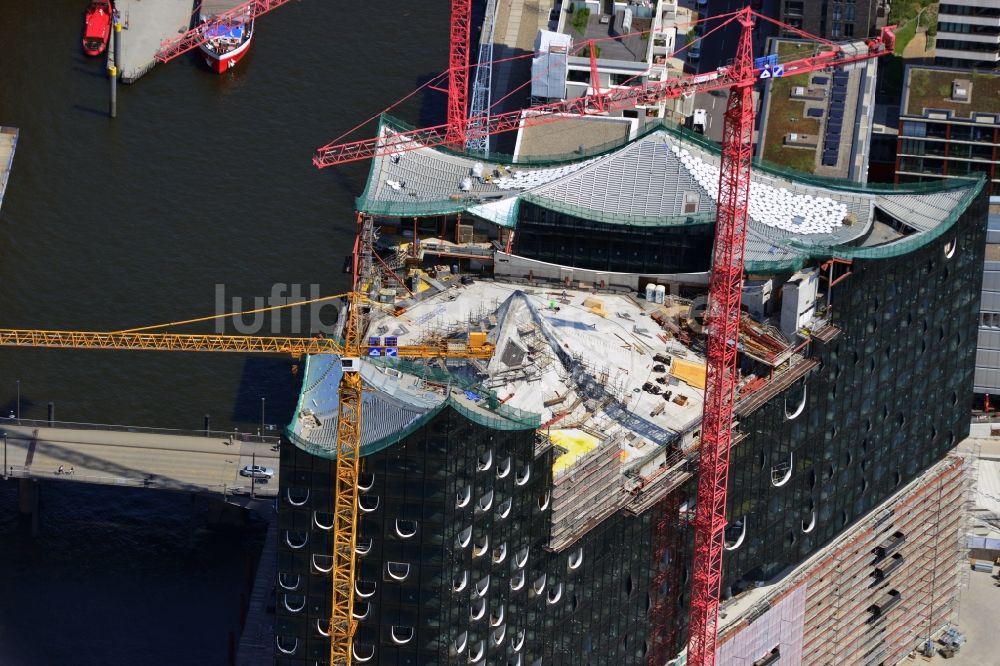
[(208, 424), (113, 67), (52, 413)]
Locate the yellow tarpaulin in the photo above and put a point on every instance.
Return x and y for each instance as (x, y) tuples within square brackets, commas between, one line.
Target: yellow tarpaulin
[(576, 442), (689, 372)]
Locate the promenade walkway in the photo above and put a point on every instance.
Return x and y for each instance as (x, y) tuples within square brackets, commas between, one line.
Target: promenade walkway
[(8, 145), (148, 458)]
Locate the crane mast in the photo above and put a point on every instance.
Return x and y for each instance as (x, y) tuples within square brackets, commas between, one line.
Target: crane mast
[(458, 71), (345, 510), (723, 321)]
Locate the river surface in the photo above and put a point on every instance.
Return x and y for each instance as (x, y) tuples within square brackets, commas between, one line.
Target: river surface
[(202, 189)]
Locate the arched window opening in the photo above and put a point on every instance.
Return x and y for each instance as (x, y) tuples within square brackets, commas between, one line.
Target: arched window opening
[(797, 410), (295, 496), (500, 553), (485, 461), (950, 247), (486, 501), (459, 645), (296, 540), (459, 583), (463, 497), (367, 503), (782, 472), (482, 545), (406, 528), (503, 468), (294, 603), (365, 481), (539, 584), (736, 533), (285, 581), (397, 570), (364, 588), (323, 521), (555, 593), (476, 652), (363, 546), (478, 609), (523, 475), (361, 610), (464, 537), (322, 563), (521, 557), (517, 580), (287, 645), (363, 651), (575, 558), (504, 508), (807, 527), (401, 635), (483, 586)]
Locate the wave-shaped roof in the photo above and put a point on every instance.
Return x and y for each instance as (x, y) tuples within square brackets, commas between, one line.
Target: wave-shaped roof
[(665, 176)]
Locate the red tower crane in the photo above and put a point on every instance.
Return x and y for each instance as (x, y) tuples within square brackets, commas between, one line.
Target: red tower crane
[(193, 38), (458, 70), (725, 287)]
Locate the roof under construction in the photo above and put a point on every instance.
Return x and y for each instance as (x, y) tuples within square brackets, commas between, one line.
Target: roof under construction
[(665, 177)]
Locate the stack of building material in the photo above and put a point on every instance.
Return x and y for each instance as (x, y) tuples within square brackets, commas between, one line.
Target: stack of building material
[(762, 341)]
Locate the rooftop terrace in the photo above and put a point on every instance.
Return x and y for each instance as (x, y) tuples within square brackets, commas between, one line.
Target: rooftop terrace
[(583, 25)]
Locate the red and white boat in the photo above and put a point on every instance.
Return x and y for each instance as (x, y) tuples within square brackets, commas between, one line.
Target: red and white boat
[(225, 42), (97, 27)]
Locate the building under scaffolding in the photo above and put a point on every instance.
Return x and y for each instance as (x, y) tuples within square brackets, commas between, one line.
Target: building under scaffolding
[(534, 509)]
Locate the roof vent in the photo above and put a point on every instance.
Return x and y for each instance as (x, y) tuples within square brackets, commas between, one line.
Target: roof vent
[(961, 90)]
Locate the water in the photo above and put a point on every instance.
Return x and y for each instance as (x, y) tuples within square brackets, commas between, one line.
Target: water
[(202, 180)]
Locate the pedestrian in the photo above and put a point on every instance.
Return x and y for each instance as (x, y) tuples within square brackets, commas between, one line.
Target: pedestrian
[(60, 470), (70, 469)]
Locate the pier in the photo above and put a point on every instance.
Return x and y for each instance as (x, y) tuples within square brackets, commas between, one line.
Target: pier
[(8, 145), (182, 461), (144, 26)]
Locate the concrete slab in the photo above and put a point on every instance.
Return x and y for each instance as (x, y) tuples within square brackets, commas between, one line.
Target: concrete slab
[(145, 24)]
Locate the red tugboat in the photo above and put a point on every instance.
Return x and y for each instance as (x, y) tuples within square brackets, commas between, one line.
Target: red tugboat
[(225, 43), (97, 27)]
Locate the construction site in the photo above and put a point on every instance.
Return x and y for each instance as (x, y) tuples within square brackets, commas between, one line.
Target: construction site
[(645, 402)]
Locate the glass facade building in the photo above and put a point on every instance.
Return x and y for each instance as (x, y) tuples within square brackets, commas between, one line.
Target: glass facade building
[(457, 557)]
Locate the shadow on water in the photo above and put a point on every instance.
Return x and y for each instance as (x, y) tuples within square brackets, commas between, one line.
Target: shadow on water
[(90, 111)]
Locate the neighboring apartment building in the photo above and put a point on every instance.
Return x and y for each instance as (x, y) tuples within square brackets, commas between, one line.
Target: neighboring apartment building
[(949, 126), (821, 122), (987, 381), (969, 33), (633, 43), (832, 19)]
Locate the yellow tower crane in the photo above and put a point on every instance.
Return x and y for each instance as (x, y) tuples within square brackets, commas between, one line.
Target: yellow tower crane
[(348, 448)]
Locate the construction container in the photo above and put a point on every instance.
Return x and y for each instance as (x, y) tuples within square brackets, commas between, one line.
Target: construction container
[(661, 293), (651, 292)]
